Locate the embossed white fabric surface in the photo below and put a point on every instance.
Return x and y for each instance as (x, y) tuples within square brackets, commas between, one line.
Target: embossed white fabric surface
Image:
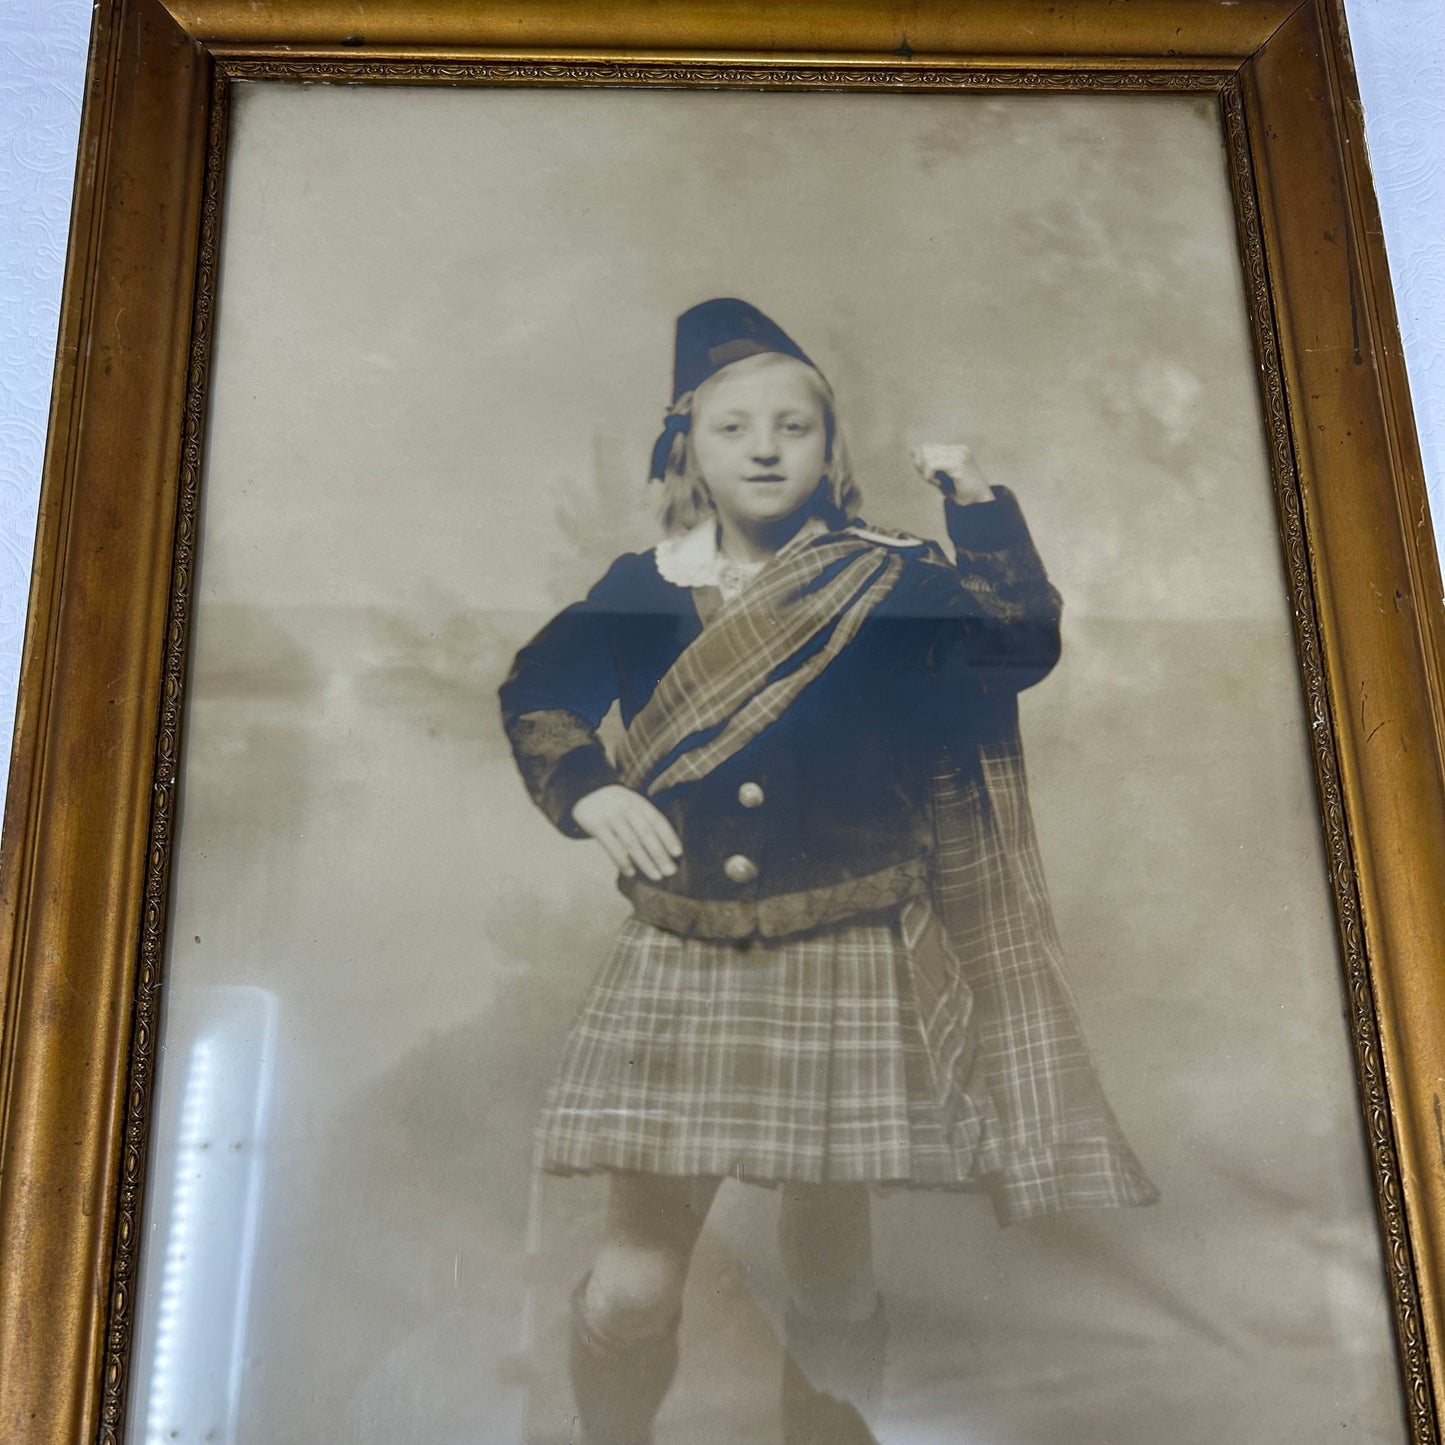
[(1399, 48), (42, 69), (1399, 51)]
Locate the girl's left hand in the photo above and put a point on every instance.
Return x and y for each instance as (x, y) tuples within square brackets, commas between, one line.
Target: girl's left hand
[(951, 468)]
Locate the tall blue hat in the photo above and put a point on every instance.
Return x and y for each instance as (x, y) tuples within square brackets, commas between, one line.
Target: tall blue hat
[(710, 336)]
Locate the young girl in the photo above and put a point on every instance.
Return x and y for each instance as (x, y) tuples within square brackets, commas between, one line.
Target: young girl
[(840, 970)]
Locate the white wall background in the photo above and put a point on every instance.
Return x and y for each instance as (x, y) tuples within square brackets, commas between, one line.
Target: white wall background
[(1399, 50)]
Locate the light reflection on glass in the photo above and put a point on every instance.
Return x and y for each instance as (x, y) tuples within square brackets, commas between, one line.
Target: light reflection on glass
[(206, 1182)]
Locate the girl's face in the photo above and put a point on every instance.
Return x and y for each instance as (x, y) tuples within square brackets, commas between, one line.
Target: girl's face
[(759, 439)]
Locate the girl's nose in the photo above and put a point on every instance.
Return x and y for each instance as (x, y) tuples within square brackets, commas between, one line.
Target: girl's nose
[(765, 451)]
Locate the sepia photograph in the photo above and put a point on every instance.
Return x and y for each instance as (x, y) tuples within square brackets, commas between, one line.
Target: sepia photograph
[(748, 866)]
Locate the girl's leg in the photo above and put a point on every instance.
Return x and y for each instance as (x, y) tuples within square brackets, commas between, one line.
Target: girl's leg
[(835, 1329), (625, 1313), (635, 1288), (825, 1232)]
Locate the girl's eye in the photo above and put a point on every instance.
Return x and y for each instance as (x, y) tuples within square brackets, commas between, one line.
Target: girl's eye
[(795, 428)]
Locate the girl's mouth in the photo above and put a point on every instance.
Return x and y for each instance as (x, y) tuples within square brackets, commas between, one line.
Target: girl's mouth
[(766, 477)]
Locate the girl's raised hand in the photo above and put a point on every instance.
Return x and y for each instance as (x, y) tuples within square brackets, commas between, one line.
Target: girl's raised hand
[(952, 469), (636, 834)]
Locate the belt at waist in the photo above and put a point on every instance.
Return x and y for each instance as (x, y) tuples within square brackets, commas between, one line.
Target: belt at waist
[(779, 914)]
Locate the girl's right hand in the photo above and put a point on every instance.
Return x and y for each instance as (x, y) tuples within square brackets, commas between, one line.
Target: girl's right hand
[(952, 468), (635, 833)]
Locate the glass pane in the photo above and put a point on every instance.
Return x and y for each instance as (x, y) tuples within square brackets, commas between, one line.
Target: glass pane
[(444, 347)]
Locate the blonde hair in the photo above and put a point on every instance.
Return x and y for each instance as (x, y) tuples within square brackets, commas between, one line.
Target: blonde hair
[(685, 501)]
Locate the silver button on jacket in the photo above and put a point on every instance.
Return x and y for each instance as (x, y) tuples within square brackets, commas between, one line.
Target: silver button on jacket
[(750, 795), (740, 869)]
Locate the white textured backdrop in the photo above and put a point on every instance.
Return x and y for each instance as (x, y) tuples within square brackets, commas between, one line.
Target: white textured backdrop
[(42, 67), (1400, 56)]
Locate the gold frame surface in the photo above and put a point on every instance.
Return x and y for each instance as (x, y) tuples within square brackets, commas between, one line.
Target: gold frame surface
[(88, 816)]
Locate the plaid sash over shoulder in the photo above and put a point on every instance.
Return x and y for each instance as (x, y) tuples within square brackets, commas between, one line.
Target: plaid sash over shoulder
[(750, 663), (994, 1002)]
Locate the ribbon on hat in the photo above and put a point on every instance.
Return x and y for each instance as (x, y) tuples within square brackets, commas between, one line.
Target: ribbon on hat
[(673, 423)]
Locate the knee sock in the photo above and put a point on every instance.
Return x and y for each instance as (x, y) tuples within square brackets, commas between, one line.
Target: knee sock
[(618, 1384)]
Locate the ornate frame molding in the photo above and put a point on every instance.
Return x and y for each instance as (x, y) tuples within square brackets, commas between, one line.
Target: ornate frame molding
[(1339, 851)]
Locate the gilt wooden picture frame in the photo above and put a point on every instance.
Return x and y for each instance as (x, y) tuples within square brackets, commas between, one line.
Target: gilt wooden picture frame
[(369, 316)]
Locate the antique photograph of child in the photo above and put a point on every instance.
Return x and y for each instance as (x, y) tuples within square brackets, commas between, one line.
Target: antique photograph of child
[(841, 969), (748, 868)]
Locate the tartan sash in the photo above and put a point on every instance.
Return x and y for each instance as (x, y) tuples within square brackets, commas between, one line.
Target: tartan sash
[(751, 662), (1058, 1145)]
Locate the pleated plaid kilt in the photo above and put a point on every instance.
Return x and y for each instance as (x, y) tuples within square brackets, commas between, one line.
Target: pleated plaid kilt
[(843, 1055), (940, 1047)]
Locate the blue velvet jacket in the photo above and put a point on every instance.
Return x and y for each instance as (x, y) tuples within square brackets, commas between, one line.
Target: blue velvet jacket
[(825, 815)]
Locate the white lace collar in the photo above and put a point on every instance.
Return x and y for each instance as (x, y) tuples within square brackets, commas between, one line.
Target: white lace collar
[(691, 559), (694, 558)]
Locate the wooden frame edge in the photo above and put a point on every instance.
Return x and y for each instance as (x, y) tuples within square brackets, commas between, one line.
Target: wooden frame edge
[(1376, 586), (75, 846), (1053, 28)]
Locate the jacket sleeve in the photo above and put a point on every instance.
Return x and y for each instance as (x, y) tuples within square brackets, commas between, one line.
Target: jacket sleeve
[(1008, 612), (559, 689)]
